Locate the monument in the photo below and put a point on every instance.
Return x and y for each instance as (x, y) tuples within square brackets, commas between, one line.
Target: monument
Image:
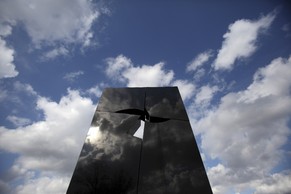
[(140, 141)]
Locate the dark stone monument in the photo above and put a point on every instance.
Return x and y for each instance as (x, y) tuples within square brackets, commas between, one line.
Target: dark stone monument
[(140, 141)]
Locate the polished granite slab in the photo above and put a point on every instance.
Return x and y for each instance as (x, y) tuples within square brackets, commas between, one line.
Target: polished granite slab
[(140, 141)]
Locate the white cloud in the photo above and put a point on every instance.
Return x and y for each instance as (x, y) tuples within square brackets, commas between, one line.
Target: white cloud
[(277, 183), (61, 51), (18, 121), (248, 128), (26, 88), (44, 185), (199, 60), (240, 41), (218, 176), (148, 76), (95, 90), (50, 146), (116, 66), (185, 87), (201, 104), (20, 95), (5, 29), (7, 67), (53, 21), (273, 80), (122, 69), (72, 76), (205, 94), (222, 179), (199, 74)]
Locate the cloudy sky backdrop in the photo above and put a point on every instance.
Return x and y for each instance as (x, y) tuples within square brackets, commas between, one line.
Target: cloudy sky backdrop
[(230, 59)]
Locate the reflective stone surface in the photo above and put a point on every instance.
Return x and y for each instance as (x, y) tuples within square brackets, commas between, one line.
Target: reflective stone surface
[(165, 159), (171, 162), (115, 99), (166, 103)]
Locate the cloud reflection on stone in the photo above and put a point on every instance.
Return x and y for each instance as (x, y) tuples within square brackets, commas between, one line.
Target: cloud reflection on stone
[(166, 160)]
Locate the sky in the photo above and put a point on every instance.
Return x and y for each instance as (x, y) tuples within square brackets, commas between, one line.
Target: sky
[(231, 61)]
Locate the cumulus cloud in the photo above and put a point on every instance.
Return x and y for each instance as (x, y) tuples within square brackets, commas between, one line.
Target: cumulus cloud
[(122, 69), (49, 146), (72, 76), (201, 104), (20, 95), (18, 121), (44, 185), (7, 67), (116, 67), (5, 29), (22, 87), (273, 80), (95, 90), (222, 179), (53, 21), (205, 94), (61, 51), (276, 183), (147, 75), (248, 128), (241, 41), (199, 60), (186, 88), (219, 176), (199, 74)]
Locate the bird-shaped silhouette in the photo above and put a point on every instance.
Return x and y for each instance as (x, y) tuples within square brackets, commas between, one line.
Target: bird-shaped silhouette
[(144, 115)]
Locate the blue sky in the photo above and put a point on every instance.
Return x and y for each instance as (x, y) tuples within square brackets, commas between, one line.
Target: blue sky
[(230, 59)]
